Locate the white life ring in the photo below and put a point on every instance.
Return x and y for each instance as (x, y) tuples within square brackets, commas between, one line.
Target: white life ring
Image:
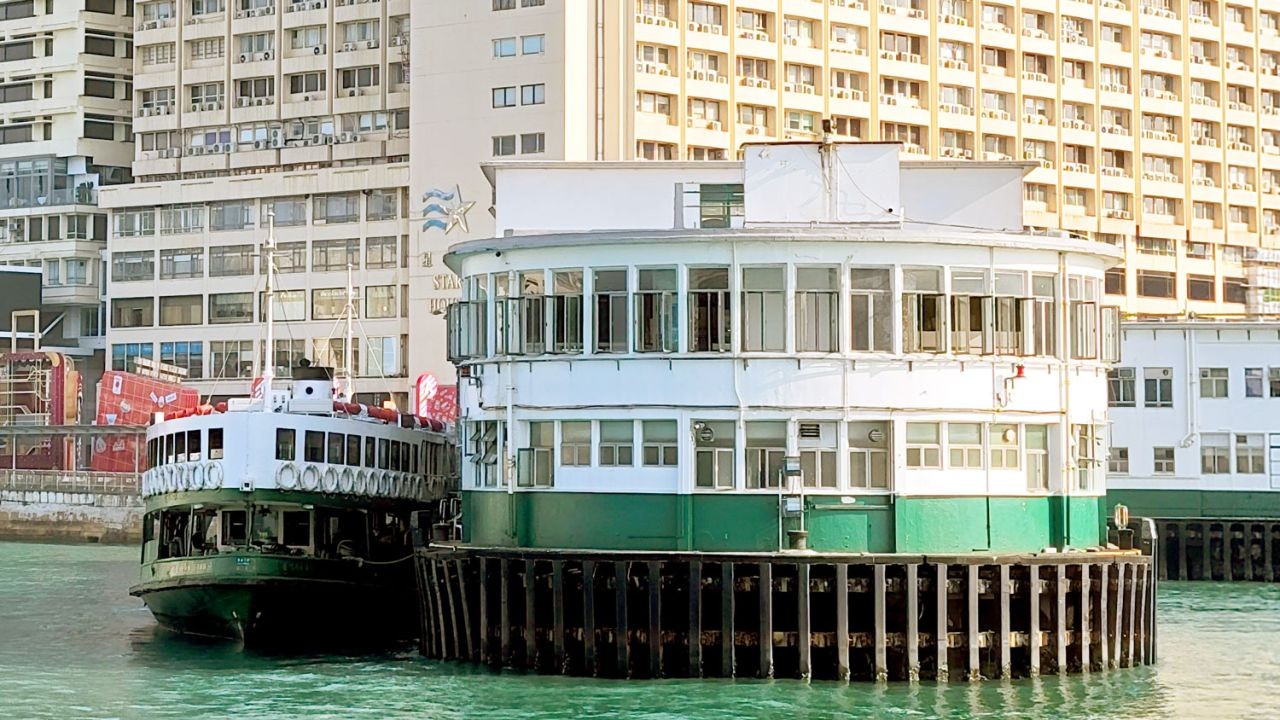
[(310, 477), (361, 485), (170, 481), (329, 480), (393, 485), (199, 476), (213, 475), (346, 480), (384, 480), (287, 476), (145, 487)]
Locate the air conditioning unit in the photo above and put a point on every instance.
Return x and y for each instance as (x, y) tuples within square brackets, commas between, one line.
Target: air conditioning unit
[(266, 55), (348, 47), (163, 109), (370, 44), (259, 101), (317, 50), (244, 57), (353, 92), (146, 112), (317, 4), (397, 40), (259, 144), (344, 138), (212, 106), (314, 140)]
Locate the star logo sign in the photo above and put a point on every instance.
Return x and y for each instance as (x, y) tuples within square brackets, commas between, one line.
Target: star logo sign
[(446, 210)]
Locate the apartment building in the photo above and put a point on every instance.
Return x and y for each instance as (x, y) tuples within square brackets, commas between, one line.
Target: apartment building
[(247, 111), (1156, 123), (65, 84)]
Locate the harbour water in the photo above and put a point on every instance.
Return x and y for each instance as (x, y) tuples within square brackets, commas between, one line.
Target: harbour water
[(73, 644)]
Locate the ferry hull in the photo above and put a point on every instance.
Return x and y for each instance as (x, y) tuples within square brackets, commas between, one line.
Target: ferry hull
[(288, 612)]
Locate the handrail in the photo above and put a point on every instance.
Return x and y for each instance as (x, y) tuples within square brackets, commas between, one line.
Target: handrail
[(105, 483)]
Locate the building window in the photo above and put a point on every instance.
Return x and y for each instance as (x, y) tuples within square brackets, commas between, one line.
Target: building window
[(1121, 387), (869, 454), (1155, 284), (132, 312), (660, 448), (533, 94), (709, 310), (286, 305), (1114, 281), (655, 310), (1213, 382), (1250, 459), (331, 304), (818, 455), (535, 465), (764, 309), (1162, 460), (1215, 454), (532, 44), (181, 263), (817, 309), (564, 311), (504, 47), (871, 307), (1118, 461), (1273, 382), (1004, 447), (382, 205), (227, 260), (288, 212), (504, 97), (713, 454), (231, 215), (132, 266), (923, 311), (380, 301), (186, 355), (610, 311), (182, 310), (1201, 287), (333, 255), (131, 223), (1233, 290), (766, 447), (533, 143), (291, 257), (964, 445), (123, 355), (1253, 382), (924, 446), (1157, 386), (231, 308), (616, 442), (1037, 440), (504, 145), (231, 358), (337, 208), (719, 205)]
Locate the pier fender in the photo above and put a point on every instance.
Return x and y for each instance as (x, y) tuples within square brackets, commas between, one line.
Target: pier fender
[(213, 475), (346, 480), (310, 477), (329, 481), (287, 476)]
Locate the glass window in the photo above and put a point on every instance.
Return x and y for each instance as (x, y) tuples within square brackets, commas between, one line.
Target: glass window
[(1162, 460), (610, 311), (1250, 459), (660, 446), (1253, 382), (1121, 387), (1118, 461), (655, 310), (286, 448), (764, 309), (869, 448), (231, 308), (1157, 387), (709, 310), (1004, 446), (575, 443), (1037, 441), (817, 443), (713, 454), (817, 309), (564, 311), (924, 447), (616, 442), (182, 310), (964, 445), (1213, 382), (871, 306), (1215, 454), (313, 446)]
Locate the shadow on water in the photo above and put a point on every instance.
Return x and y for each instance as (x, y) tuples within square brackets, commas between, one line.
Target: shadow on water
[(153, 646)]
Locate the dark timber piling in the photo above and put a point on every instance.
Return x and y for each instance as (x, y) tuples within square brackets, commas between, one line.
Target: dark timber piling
[(1231, 549), (790, 615)]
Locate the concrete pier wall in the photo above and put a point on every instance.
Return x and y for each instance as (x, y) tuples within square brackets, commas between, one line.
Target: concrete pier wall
[(50, 506)]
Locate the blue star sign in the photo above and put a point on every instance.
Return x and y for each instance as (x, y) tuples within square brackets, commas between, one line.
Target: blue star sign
[(445, 210)]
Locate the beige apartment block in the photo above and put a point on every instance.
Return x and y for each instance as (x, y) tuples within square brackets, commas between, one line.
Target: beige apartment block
[(65, 83), (1155, 123), (244, 108)]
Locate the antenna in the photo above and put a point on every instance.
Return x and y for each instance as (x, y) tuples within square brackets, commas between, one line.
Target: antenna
[(269, 253)]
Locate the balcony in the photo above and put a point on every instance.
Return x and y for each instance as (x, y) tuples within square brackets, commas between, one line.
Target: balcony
[(1159, 176), (1075, 167), (656, 20), (1159, 135), (1115, 88), (649, 68), (760, 35), (910, 12), (900, 56), (955, 108), (709, 28), (1035, 119), (1204, 100), (900, 101), (957, 153), (1158, 11), (997, 27), (705, 76), (1158, 94), (1036, 33), (1114, 130), (801, 88), (1113, 171), (1075, 124), (995, 114), (954, 64), (950, 19), (842, 93), (1035, 76)]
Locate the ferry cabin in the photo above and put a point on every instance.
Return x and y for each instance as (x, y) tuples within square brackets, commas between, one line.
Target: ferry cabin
[(305, 485)]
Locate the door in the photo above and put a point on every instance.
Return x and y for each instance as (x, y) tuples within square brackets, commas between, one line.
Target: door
[(1273, 460)]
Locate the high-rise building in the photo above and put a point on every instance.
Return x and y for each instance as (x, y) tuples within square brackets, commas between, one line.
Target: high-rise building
[(1156, 123), (64, 134), (252, 109)]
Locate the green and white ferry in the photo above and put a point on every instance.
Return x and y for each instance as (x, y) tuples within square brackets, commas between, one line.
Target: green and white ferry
[(288, 517)]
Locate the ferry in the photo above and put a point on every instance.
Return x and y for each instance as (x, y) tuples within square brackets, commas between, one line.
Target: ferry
[(288, 518)]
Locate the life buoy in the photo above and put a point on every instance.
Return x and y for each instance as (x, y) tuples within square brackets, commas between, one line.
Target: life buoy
[(198, 474), (380, 487), (184, 477), (287, 476), (361, 483), (329, 480), (169, 482), (310, 477), (346, 480), (213, 475), (145, 486)]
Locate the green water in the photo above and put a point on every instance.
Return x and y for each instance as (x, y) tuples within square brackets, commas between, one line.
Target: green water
[(73, 644)]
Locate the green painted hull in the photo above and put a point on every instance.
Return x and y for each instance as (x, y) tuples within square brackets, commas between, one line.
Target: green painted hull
[(752, 523), (264, 600), (1198, 503)]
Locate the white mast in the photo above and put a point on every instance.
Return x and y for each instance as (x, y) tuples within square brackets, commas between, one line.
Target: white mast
[(268, 254), (349, 348)]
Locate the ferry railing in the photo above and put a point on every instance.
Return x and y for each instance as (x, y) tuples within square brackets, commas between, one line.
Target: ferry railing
[(65, 481)]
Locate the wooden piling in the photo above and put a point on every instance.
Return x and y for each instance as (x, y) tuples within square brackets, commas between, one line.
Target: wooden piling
[(802, 619), (589, 618), (654, 582), (841, 591), (1033, 599), (1206, 567), (621, 633), (1060, 616), (913, 623), (557, 613), (530, 614), (971, 623), (1006, 666), (486, 651), (1133, 607), (881, 652), (695, 618), (1184, 553), (728, 661), (940, 622), (1118, 632), (464, 601), (1268, 569), (1104, 628), (442, 648), (766, 619), (1086, 636), (504, 609)]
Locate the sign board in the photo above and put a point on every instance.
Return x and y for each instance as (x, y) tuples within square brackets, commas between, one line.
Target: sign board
[(425, 389)]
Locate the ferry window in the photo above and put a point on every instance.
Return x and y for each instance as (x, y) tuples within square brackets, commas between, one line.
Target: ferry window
[(297, 528), (764, 309), (1044, 318), (1004, 446), (655, 308), (337, 443), (286, 444), (1253, 382), (924, 318), (215, 443), (151, 453), (1037, 439), (869, 454), (924, 449), (964, 442), (611, 311), (970, 310), (872, 308), (353, 450), (713, 454), (1157, 386), (535, 465), (406, 450), (169, 449), (193, 445), (818, 454), (234, 527), (565, 312), (817, 310), (1213, 382), (709, 309), (313, 448), (1273, 381), (575, 443), (616, 442), (395, 456), (384, 453), (1215, 454), (417, 453), (180, 446), (766, 446), (660, 447), (370, 453)]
